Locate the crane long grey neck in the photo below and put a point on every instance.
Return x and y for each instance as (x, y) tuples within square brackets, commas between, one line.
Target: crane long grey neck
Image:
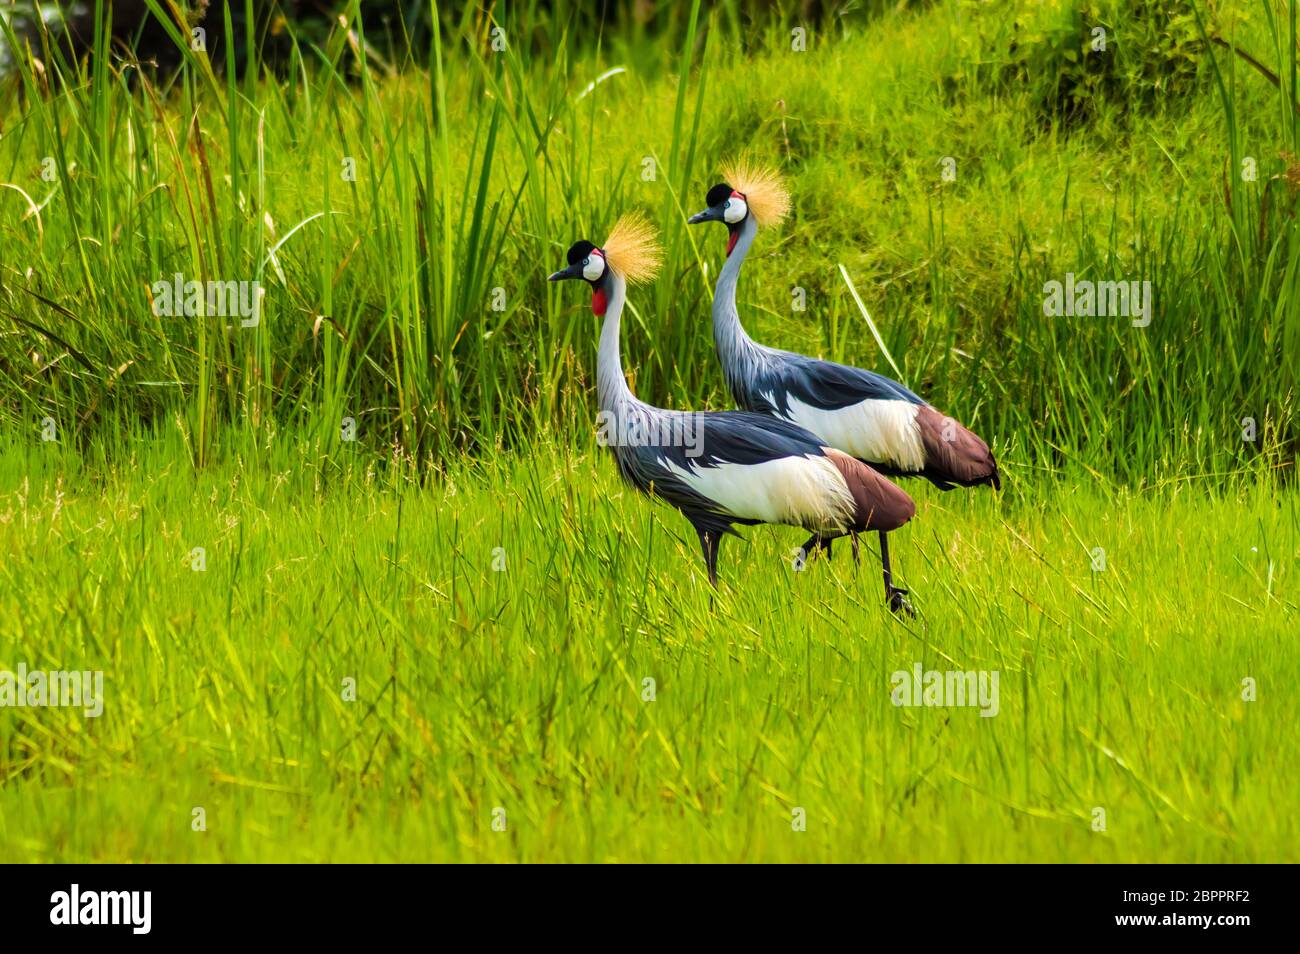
[(611, 384), (739, 355), (635, 424)]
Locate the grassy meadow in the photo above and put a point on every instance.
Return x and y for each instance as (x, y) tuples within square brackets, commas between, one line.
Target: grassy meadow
[(425, 611), (499, 628)]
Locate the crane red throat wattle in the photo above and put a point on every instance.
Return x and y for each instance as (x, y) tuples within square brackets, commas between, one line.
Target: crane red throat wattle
[(598, 302)]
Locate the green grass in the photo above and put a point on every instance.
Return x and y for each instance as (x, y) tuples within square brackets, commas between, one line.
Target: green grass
[(522, 689), (329, 559)]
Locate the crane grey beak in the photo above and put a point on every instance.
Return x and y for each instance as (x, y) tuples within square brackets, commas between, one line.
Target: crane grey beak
[(573, 271), (708, 215)]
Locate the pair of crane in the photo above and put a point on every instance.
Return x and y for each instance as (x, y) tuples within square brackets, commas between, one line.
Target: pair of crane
[(815, 442)]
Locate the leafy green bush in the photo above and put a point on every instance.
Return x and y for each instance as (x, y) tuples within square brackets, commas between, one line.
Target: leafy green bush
[(1138, 57)]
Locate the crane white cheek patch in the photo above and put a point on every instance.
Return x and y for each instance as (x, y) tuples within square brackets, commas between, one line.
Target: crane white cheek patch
[(881, 431), (594, 268), (735, 211), (798, 491)]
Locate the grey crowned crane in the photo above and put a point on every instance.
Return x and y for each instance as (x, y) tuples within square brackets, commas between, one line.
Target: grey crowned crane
[(871, 417), (720, 468)]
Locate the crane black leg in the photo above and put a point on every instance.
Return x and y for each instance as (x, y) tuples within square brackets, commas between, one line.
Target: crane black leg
[(709, 542), (817, 542), (897, 597)]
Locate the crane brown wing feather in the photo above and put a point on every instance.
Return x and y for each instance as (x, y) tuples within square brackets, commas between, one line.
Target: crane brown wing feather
[(880, 504), (953, 452)]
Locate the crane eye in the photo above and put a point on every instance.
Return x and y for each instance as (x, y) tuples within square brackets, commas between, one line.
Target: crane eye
[(727, 204), (586, 262)]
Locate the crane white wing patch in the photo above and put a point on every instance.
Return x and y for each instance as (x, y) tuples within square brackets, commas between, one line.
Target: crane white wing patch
[(876, 430), (798, 491)]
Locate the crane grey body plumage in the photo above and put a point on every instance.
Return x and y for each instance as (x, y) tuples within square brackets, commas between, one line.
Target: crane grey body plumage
[(766, 379), (865, 414), (679, 456)]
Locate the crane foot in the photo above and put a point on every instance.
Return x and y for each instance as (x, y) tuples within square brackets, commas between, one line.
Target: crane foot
[(898, 602)]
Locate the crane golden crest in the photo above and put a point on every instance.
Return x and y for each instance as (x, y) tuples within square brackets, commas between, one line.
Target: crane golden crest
[(763, 188), (633, 250)]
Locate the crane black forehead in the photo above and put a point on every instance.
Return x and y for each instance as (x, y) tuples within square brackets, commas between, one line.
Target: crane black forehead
[(579, 250), (718, 194)]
